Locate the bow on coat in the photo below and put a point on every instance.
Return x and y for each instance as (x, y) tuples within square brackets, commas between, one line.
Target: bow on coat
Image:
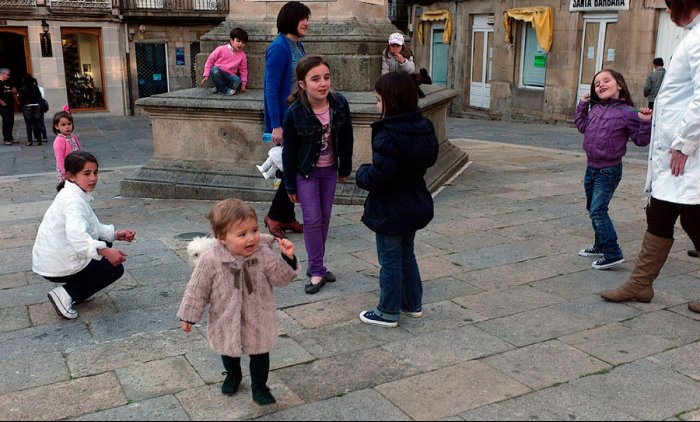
[(238, 268)]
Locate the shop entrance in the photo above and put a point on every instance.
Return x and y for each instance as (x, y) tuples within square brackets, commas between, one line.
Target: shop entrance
[(482, 62), (599, 32), (14, 53)]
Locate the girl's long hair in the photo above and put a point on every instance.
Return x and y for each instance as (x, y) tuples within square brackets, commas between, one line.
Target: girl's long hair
[(399, 93), (624, 91), (75, 163), (303, 68)]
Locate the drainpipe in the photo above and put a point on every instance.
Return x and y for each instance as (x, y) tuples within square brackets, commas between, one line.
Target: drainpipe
[(129, 97)]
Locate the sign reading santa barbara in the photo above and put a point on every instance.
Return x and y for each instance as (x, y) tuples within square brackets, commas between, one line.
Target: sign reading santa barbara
[(598, 5)]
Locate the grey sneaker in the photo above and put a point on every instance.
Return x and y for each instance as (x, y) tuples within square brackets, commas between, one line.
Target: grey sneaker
[(592, 251), (231, 92), (63, 303), (214, 90), (605, 263)]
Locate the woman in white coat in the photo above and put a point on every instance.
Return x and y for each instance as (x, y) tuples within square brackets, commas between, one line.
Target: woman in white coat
[(673, 175)]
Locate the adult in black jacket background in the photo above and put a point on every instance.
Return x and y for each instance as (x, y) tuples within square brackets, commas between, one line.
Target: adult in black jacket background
[(29, 98), (404, 146)]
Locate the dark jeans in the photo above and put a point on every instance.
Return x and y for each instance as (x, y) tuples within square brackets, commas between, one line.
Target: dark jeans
[(8, 121), (662, 216), (399, 279), (259, 368), (600, 185), (223, 80), (90, 280), (282, 208), (316, 196), (33, 119)]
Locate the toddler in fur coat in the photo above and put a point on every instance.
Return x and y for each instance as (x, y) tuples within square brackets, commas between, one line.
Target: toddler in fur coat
[(235, 277)]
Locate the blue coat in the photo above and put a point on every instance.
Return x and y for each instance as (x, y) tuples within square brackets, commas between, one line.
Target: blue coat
[(302, 140), (403, 148), (278, 80)]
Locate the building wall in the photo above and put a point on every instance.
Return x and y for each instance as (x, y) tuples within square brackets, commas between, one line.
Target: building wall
[(634, 47)]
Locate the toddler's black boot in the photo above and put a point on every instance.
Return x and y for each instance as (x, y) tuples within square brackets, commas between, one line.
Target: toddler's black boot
[(233, 375)]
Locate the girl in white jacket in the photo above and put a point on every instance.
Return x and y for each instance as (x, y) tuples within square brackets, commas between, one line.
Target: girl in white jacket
[(71, 242), (673, 174)]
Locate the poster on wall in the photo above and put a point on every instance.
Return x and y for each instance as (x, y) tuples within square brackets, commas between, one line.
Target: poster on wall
[(179, 56), (598, 5)]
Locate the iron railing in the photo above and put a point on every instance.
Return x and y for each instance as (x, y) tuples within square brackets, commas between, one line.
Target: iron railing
[(80, 4), (18, 3), (175, 5)]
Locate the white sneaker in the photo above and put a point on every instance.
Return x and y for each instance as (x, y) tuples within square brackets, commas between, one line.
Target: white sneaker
[(412, 314), (63, 303), (231, 92), (214, 90)]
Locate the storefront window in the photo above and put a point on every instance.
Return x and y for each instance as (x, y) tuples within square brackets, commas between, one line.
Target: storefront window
[(82, 60), (534, 60)]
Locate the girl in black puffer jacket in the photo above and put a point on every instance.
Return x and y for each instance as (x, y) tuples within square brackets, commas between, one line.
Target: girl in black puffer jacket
[(404, 146)]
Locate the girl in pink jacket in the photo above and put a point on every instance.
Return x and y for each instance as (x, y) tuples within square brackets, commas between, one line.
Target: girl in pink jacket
[(66, 140), (235, 277)]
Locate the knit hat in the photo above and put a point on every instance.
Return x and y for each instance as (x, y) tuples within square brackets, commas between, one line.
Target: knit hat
[(396, 38)]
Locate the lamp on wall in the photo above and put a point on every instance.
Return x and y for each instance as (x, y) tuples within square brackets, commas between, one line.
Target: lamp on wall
[(45, 40), (142, 30)]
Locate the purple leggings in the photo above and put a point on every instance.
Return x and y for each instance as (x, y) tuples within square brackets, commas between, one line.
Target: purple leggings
[(316, 196)]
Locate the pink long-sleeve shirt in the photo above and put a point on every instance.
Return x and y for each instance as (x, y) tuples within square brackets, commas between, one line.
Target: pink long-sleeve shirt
[(229, 61), (62, 146)]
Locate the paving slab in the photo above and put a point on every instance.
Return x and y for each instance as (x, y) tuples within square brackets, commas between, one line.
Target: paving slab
[(511, 300), (14, 318), (20, 374), (157, 378), (165, 408), (685, 360), (668, 325), (451, 390)]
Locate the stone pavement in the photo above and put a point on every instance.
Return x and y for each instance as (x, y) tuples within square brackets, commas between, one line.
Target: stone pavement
[(513, 325)]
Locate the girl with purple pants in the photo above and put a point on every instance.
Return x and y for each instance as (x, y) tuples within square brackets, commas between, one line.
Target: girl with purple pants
[(317, 151)]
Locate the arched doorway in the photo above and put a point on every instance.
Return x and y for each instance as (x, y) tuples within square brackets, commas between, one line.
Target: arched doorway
[(14, 53)]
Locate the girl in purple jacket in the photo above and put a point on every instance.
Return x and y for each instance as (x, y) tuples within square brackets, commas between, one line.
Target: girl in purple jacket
[(607, 118)]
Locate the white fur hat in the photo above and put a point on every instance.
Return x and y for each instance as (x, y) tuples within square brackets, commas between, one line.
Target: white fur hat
[(396, 38)]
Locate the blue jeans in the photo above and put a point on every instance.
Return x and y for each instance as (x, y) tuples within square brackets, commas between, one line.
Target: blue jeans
[(223, 80), (600, 185), (316, 195), (399, 279)]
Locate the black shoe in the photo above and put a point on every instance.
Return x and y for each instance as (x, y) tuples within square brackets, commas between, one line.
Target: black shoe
[(312, 289), (231, 383), (262, 396), (329, 277), (693, 253)]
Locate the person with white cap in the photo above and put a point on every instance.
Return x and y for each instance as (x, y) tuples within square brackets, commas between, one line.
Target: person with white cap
[(397, 56)]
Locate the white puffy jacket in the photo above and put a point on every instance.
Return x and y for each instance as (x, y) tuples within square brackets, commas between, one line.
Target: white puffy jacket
[(676, 125), (69, 235)]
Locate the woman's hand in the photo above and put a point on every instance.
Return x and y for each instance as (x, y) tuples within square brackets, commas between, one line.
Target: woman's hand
[(277, 136), (286, 247), (645, 114), (185, 326), (125, 235), (677, 162), (294, 198), (114, 256)]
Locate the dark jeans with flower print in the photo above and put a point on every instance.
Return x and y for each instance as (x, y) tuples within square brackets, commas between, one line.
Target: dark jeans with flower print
[(600, 185)]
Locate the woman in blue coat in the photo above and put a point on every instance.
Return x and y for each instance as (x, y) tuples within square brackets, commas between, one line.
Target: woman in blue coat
[(404, 146), (281, 60)]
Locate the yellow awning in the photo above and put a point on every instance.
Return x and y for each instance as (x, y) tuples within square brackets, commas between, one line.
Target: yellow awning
[(437, 15), (542, 19)]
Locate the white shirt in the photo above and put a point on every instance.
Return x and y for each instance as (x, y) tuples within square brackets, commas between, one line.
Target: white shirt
[(69, 235), (676, 125)]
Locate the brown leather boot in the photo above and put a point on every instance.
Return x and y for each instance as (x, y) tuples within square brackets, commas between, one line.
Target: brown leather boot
[(294, 226), (694, 306), (651, 258), (275, 227)]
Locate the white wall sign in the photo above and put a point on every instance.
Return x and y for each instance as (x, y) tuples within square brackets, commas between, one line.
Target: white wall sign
[(598, 5)]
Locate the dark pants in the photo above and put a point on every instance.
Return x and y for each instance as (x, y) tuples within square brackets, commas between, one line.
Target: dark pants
[(8, 121), (400, 285), (600, 185), (33, 119), (90, 280), (259, 368), (282, 208), (662, 216)]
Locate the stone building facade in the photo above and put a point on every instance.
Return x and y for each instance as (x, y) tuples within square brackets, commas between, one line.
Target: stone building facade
[(521, 79)]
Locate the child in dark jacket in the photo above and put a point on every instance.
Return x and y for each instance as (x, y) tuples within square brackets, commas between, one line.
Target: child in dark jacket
[(607, 119), (404, 146), (317, 152)]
